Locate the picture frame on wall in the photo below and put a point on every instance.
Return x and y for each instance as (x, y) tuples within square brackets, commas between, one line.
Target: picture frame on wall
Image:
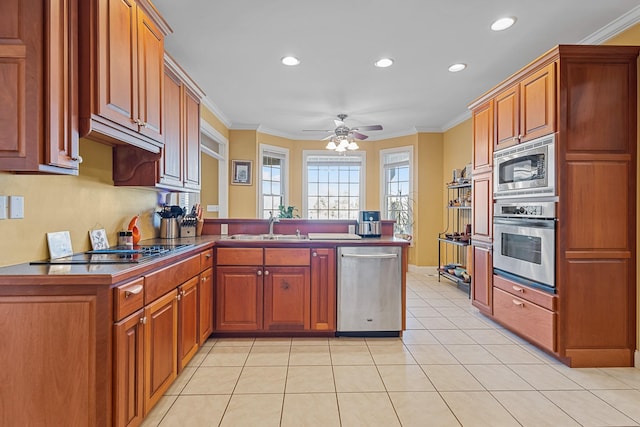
[(241, 172)]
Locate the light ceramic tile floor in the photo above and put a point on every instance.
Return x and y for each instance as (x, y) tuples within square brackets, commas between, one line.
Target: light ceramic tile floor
[(452, 367)]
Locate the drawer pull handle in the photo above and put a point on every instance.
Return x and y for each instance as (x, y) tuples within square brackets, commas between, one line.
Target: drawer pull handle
[(518, 289), (135, 290), (518, 303), (208, 255)]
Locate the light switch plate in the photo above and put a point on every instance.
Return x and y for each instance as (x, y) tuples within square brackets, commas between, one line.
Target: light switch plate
[(3, 207), (352, 229), (16, 207), (212, 208)]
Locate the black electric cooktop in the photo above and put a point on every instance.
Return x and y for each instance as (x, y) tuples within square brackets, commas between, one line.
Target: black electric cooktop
[(116, 255)]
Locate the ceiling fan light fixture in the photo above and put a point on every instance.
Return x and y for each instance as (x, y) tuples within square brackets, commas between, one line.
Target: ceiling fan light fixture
[(454, 68), (344, 143), (503, 23), (340, 149), (331, 145), (353, 146), (383, 62), (290, 61)]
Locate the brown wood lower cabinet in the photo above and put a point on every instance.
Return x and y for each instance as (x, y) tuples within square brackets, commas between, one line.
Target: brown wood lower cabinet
[(160, 347), (128, 399), (323, 289), (286, 298), (188, 321), (205, 308), (291, 290), (481, 284)]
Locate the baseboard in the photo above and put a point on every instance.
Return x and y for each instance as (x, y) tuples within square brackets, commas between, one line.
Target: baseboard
[(636, 359)]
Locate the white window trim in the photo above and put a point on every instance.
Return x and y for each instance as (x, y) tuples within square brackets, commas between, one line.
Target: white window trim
[(223, 167), (363, 173), (383, 153), (285, 176)]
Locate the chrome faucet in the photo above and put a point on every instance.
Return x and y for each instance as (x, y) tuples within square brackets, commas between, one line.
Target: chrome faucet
[(272, 220)]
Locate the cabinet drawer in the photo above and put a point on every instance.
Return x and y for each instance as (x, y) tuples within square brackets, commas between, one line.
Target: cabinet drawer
[(162, 281), (282, 256), (527, 293), (239, 256), (128, 298), (206, 259), (532, 321)]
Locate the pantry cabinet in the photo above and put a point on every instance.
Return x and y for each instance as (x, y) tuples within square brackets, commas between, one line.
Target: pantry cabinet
[(122, 68), (39, 90), (587, 97)]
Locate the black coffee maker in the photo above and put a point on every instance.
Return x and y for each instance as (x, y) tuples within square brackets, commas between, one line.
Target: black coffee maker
[(369, 223)]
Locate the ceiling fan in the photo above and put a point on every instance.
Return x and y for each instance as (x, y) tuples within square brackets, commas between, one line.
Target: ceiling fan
[(344, 131)]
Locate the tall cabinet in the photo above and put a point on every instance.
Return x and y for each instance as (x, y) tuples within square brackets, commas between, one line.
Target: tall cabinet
[(587, 95)]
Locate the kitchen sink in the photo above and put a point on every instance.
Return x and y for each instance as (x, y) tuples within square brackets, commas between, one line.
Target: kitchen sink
[(279, 237)]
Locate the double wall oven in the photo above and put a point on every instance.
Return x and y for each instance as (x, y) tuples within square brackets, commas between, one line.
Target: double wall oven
[(524, 220)]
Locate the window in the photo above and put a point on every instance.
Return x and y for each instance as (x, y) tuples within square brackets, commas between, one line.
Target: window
[(397, 187), (334, 185), (273, 163)]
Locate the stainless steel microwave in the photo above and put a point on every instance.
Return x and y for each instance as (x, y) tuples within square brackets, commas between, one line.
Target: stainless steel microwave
[(525, 170)]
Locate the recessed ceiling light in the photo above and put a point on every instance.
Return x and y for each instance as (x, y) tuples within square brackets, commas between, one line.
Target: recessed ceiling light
[(290, 60), (503, 23), (457, 67), (383, 63)]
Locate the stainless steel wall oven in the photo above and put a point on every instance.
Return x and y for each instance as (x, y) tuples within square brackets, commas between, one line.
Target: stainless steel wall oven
[(524, 242)]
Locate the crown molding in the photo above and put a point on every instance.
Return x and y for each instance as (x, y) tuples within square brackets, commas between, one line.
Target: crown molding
[(216, 111), (426, 129), (244, 126), (457, 120), (614, 28)]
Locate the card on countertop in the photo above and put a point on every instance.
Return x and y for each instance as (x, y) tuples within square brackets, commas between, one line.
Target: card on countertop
[(59, 244)]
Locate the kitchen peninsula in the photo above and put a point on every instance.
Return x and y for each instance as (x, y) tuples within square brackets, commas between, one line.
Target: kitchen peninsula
[(99, 344)]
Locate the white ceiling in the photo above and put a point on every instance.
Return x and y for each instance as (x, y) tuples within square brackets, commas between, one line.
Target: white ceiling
[(232, 49)]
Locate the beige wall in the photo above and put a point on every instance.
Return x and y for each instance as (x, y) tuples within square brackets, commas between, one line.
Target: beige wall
[(74, 203), (209, 194)]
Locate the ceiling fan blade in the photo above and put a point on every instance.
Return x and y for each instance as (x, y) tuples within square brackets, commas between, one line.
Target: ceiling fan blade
[(327, 137), (317, 130), (371, 127), (359, 135), (338, 123)]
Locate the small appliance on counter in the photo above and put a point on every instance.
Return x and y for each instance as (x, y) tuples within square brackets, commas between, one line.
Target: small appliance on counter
[(169, 221), (369, 224)]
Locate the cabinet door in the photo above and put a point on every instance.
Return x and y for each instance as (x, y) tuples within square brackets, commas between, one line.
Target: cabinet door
[(187, 321), (538, 103), (118, 80), (482, 280), (171, 160), (191, 140), (482, 207), (286, 298), (483, 136), (128, 370), (150, 75), (323, 289), (160, 348), (205, 312), (238, 298), (39, 90), (507, 117)]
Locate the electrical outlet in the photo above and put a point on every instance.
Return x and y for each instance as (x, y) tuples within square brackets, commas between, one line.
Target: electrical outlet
[(352, 229), (16, 207), (3, 207), (224, 228)]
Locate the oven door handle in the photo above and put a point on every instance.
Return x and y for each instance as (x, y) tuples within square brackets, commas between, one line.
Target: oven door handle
[(521, 222)]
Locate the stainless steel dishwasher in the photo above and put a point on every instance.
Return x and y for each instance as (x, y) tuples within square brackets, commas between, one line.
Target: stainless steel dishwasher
[(369, 290)]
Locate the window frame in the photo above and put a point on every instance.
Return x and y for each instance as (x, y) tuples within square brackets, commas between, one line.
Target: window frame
[(306, 154), (284, 182), (383, 184)]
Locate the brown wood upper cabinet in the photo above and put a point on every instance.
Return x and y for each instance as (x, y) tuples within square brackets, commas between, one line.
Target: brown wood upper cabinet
[(483, 136), (526, 109), (39, 90), (177, 167), (122, 66)]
